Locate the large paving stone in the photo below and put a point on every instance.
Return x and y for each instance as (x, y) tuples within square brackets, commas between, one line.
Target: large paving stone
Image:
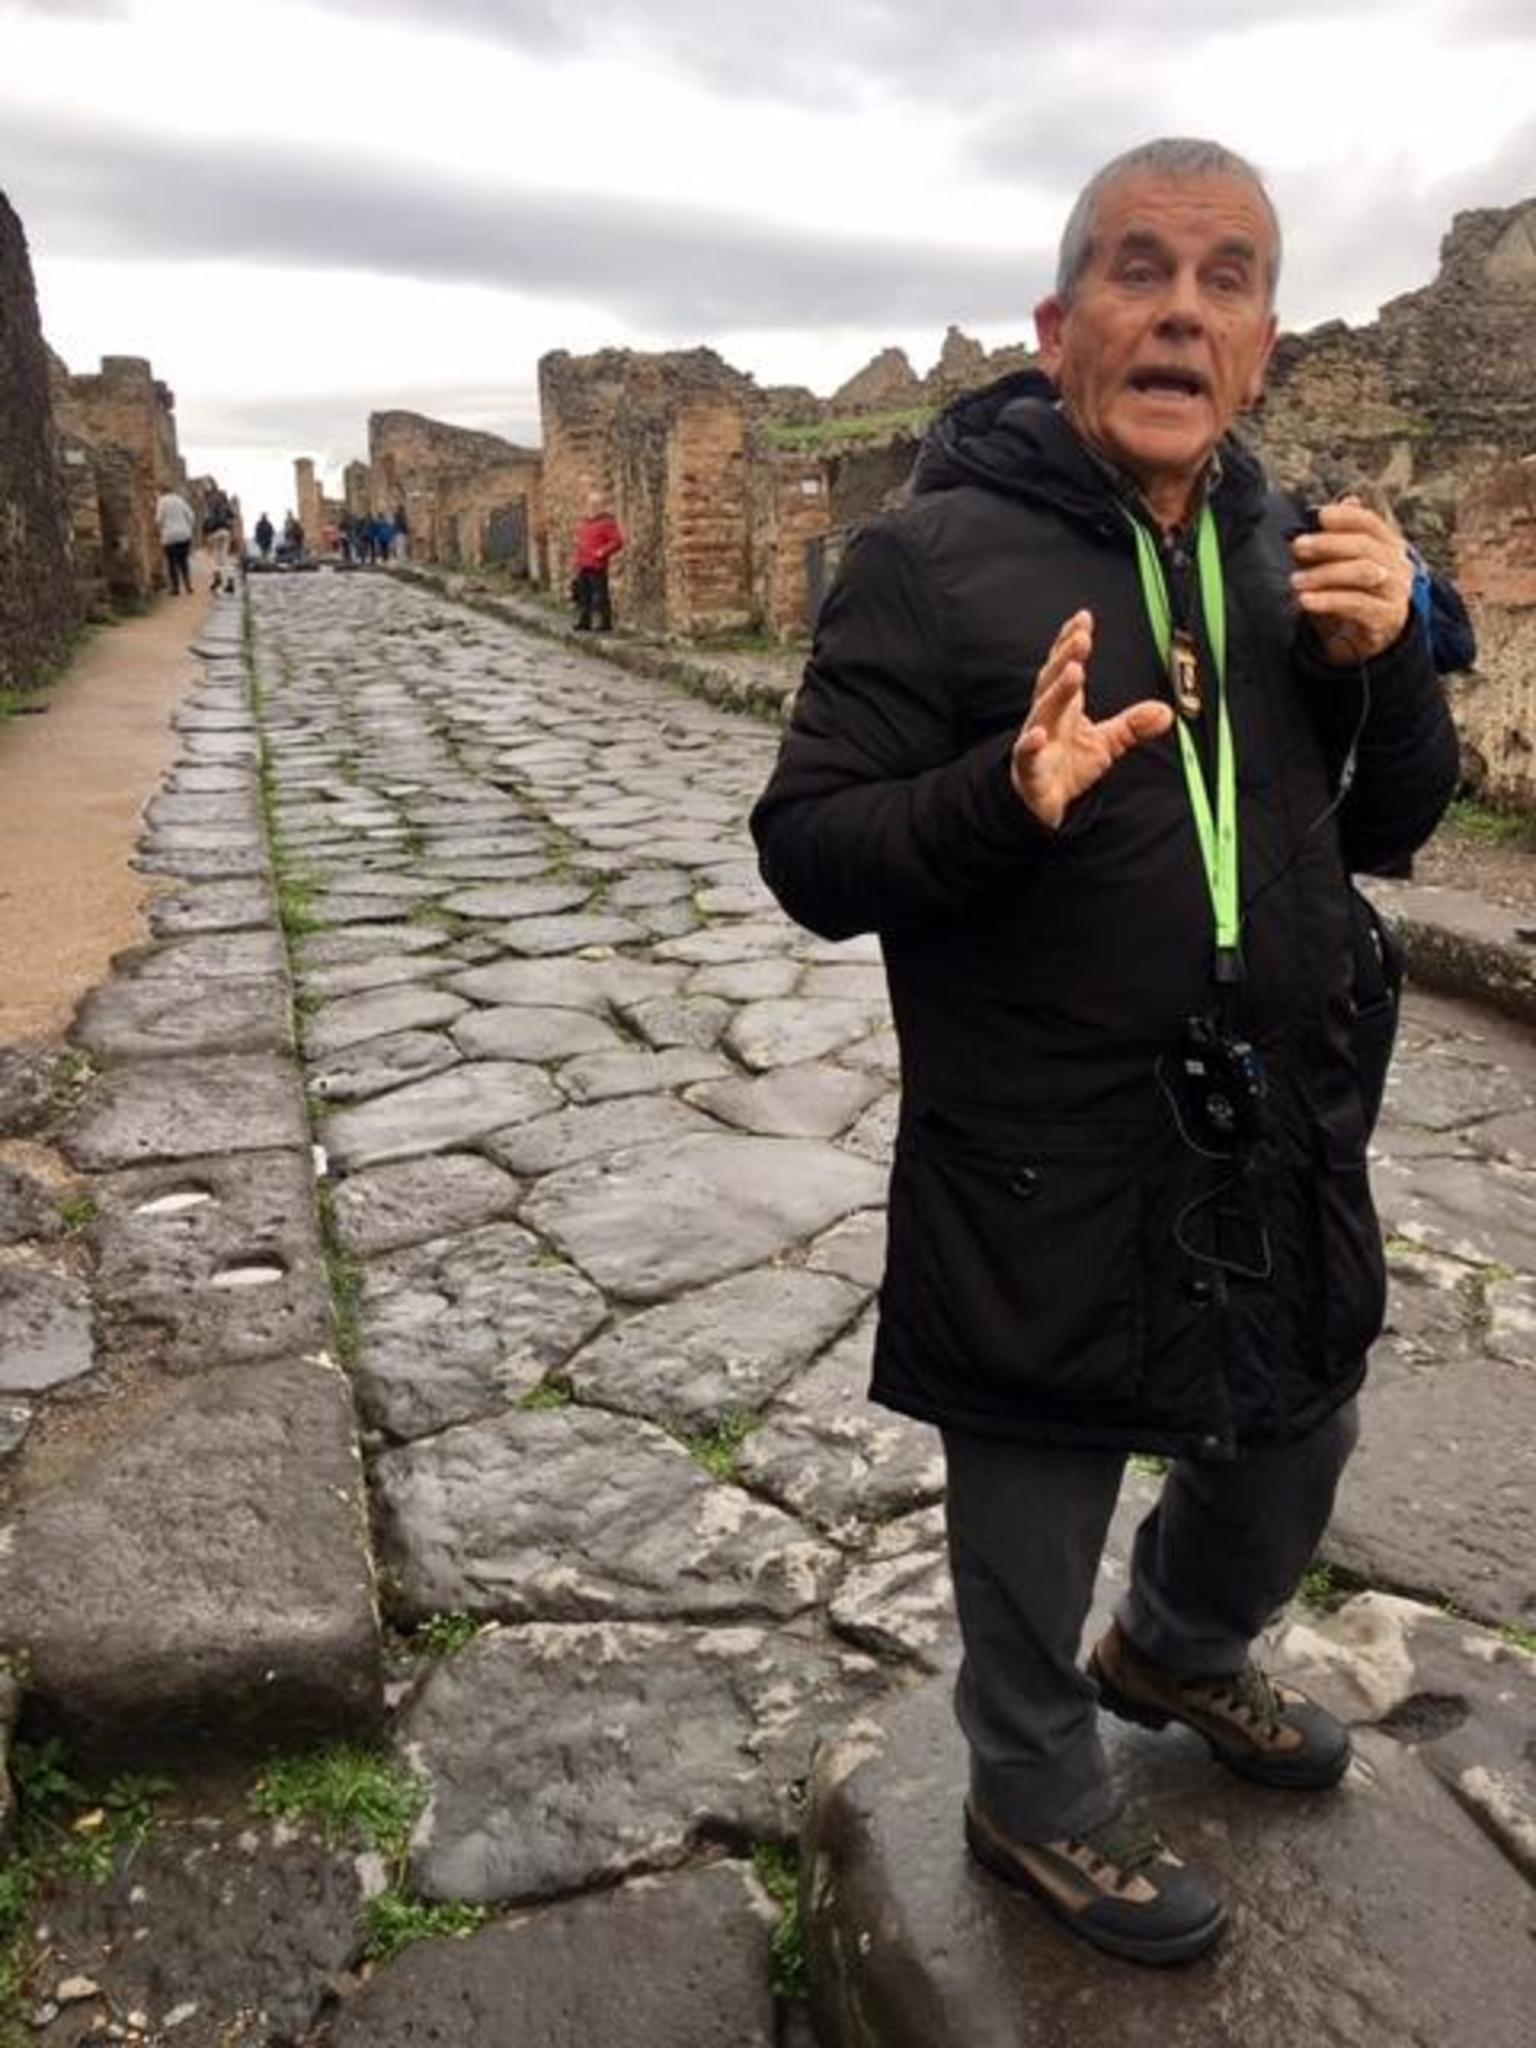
[(372, 969), (679, 1020), (1475, 1209), (380, 1064), (722, 1350), (896, 1600), (1438, 1498), (855, 1248), (213, 1545), (26, 1090), (416, 1199), (586, 1133), (366, 942), (540, 937), (829, 1454), (213, 907), (567, 984), (564, 1755), (518, 899), (211, 1261), (575, 1515), (261, 1967), (517, 1033), (435, 1115), (127, 1020), (601, 1076), (45, 1330), (1461, 1696), (209, 956), (460, 1327), (27, 1210), (352, 1019), (789, 1031), (1377, 1914), (680, 1962), (187, 1109), (794, 1102), (649, 1223)]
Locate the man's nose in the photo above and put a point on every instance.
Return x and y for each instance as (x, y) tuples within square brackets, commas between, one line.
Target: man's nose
[(1182, 310)]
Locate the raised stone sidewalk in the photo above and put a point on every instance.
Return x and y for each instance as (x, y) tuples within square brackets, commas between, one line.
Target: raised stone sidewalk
[(602, 1142)]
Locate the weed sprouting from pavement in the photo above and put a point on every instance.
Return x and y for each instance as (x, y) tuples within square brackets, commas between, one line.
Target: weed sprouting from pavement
[(777, 1870), (718, 1450), (392, 1921), (550, 1393), (440, 1635), (350, 1792)]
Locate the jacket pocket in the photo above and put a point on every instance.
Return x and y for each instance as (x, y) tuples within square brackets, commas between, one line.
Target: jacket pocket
[(1352, 1295), (1013, 1258)]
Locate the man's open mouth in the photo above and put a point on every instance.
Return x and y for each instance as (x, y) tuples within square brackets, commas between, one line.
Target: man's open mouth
[(1168, 381)]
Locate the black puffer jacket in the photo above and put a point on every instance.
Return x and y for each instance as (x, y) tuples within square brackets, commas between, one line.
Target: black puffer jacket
[(1061, 1266)]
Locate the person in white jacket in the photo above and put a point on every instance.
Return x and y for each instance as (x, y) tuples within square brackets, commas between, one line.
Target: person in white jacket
[(176, 526)]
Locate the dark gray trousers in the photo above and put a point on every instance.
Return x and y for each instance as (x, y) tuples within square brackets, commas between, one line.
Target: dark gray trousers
[(1225, 1546)]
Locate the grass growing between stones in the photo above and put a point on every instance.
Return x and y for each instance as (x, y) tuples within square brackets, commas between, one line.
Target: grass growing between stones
[(718, 1450), (1498, 828), (550, 1393), (77, 1211), (66, 1828), (778, 1872), (344, 1271), (440, 1635), (360, 1795)]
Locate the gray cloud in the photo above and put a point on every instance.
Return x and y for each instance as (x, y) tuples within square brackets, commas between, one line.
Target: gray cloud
[(335, 423), (815, 54), (87, 192), (95, 10)]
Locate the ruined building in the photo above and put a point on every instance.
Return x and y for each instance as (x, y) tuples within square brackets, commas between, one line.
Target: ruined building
[(1435, 400), (470, 498), (117, 426), (39, 605)]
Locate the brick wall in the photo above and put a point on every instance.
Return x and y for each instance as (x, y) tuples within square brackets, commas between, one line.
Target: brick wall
[(126, 422), (308, 504), (39, 605), (662, 439), (1496, 569)]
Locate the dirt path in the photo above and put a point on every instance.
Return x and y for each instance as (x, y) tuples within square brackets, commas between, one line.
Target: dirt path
[(72, 785)]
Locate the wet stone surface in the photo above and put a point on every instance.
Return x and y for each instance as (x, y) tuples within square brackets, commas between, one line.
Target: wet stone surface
[(602, 1130)]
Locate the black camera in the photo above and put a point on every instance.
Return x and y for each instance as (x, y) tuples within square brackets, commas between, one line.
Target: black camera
[(1218, 1084)]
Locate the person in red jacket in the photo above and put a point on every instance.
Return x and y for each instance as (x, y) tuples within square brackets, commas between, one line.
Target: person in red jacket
[(599, 538)]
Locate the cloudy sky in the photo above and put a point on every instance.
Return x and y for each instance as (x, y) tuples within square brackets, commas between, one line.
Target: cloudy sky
[(305, 209)]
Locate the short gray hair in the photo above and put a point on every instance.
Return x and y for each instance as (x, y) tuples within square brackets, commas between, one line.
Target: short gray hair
[(1170, 156)]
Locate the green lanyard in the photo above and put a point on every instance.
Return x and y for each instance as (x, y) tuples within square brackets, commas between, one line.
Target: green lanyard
[(1217, 834)]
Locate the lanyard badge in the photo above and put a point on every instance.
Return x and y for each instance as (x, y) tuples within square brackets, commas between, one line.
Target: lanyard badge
[(1215, 829)]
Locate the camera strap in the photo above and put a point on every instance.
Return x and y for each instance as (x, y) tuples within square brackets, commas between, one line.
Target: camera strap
[(1215, 828)]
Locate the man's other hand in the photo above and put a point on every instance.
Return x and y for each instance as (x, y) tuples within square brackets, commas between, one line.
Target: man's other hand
[(1061, 752), (1354, 581)]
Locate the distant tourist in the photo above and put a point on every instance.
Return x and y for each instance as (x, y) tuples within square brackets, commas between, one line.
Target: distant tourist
[(219, 533), (383, 537), (266, 533), (599, 538), (293, 539), (176, 526), (402, 535)]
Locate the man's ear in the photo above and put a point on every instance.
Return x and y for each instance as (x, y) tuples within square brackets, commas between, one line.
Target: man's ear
[(1050, 323), (1256, 381)]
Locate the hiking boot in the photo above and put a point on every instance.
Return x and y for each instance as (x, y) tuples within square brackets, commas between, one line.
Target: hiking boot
[(1268, 1732), (1117, 1886)]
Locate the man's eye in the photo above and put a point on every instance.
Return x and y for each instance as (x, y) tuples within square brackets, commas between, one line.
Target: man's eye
[(1138, 273), (1230, 283)]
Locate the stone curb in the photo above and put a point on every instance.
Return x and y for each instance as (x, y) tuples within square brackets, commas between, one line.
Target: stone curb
[(1460, 945), (208, 1517)]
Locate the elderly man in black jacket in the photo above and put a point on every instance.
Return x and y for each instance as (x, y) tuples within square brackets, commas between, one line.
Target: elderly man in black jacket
[(1092, 735)]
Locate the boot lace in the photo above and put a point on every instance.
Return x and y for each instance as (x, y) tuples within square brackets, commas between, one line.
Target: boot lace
[(1124, 1843), (1252, 1694)]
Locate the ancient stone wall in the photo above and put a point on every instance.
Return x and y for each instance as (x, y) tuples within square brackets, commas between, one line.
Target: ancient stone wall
[(663, 439), (308, 503), (1496, 569), (39, 605), (787, 512), (357, 490), (452, 482), (126, 422)]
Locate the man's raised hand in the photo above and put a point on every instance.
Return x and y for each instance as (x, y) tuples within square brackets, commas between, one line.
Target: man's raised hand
[(1354, 581), (1061, 752)]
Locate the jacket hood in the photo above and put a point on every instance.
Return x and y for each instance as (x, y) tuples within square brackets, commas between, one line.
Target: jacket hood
[(1012, 437)]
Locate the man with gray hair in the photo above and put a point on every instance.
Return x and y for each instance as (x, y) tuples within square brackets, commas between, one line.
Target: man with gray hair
[(1092, 735)]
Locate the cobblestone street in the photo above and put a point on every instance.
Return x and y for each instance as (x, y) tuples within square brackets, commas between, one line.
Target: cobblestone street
[(604, 1140)]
